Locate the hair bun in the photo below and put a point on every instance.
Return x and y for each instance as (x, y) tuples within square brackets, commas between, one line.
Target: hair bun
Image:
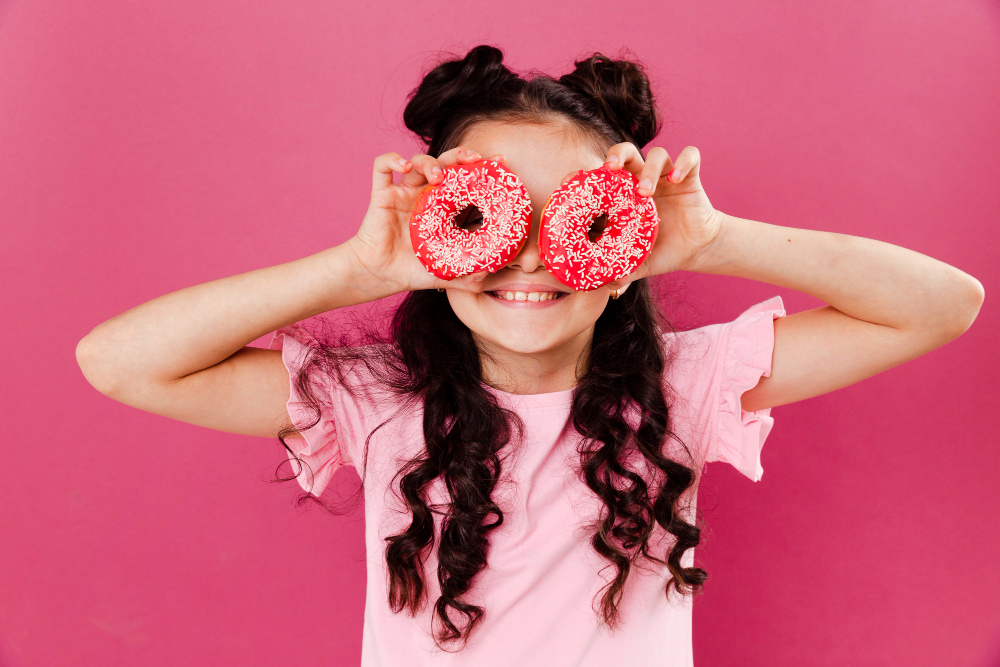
[(620, 91), (480, 80)]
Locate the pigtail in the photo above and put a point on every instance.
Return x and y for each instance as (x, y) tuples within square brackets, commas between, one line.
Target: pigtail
[(621, 93), (456, 93)]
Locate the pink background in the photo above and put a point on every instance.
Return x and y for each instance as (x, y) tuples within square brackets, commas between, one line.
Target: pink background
[(146, 147)]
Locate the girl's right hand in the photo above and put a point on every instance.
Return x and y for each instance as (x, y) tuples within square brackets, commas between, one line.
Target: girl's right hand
[(382, 244)]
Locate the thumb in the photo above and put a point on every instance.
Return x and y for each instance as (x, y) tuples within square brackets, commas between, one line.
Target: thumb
[(472, 282), (476, 280)]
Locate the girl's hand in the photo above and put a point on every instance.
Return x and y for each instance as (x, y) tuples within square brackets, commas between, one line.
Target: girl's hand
[(689, 224), (382, 244)]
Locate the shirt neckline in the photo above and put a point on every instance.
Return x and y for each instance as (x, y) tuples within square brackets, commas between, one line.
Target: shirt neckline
[(547, 399)]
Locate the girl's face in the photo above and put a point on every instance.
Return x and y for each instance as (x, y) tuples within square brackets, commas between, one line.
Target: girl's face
[(547, 329)]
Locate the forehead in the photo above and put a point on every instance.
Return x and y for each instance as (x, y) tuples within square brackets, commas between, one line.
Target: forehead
[(539, 153)]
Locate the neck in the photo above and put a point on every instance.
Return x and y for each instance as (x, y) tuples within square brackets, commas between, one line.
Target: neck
[(543, 372)]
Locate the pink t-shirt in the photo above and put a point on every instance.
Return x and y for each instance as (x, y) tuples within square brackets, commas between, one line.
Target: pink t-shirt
[(543, 577)]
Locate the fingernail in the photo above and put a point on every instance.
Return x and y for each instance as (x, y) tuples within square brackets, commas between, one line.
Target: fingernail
[(612, 159), (435, 169), (645, 184), (402, 161)]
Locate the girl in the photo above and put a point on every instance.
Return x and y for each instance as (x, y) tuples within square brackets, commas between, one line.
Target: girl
[(530, 455)]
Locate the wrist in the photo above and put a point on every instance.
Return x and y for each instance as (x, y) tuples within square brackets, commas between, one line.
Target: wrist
[(712, 257), (365, 281)]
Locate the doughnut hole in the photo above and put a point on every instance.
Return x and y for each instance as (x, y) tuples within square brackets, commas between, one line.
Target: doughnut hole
[(597, 227), (469, 218)]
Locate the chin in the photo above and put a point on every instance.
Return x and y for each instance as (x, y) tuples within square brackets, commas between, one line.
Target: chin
[(523, 341), (520, 346), (527, 332)]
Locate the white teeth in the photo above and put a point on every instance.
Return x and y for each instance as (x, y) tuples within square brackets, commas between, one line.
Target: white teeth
[(527, 296)]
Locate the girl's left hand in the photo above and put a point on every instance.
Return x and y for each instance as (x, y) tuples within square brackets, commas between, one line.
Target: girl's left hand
[(689, 224)]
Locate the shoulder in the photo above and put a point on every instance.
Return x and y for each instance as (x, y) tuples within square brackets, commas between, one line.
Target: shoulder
[(345, 374), (695, 355), (706, 372)]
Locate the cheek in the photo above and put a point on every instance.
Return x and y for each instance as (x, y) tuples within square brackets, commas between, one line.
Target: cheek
[(595, 299), (589, 307), (467, 309)]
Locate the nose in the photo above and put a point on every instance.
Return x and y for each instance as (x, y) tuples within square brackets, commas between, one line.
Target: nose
[(529, 258)]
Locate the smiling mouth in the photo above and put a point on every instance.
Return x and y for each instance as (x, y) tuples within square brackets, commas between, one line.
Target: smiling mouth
[(527, 296)]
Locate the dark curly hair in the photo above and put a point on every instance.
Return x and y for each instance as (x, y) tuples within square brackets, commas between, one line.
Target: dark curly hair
[(429, 355)]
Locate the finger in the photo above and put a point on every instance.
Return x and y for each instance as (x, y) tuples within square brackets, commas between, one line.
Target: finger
[(687, 164), (417, 176), (428, 169), (464, 154), (641, 271), (472, 282), (476, 281), (624, 155), (458, 155), (621, 284), (658, 165), (385, 165)]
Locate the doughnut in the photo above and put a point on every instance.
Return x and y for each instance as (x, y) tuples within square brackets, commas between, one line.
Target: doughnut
[(564, 243), (449, 251)]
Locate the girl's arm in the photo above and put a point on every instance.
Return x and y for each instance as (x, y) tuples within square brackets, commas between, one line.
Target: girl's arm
[(184, 355), (888, 304)]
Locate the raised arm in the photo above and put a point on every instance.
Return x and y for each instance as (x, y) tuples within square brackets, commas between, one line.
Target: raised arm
[(184, 355), (888, 304)]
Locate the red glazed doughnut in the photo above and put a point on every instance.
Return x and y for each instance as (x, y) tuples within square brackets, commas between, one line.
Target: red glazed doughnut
[(628, 237), (449, 251)]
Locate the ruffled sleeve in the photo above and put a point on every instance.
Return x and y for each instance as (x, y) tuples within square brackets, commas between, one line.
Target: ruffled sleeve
[(319, 448), (743, 355)]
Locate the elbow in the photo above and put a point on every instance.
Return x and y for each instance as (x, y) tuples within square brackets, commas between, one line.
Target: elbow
[(965, 307), (89, 361)]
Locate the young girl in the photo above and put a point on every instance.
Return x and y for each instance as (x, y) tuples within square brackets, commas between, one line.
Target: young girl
[(530, 455)]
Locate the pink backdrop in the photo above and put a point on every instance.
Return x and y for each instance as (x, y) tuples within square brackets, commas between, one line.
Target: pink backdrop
[(147, 147)]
